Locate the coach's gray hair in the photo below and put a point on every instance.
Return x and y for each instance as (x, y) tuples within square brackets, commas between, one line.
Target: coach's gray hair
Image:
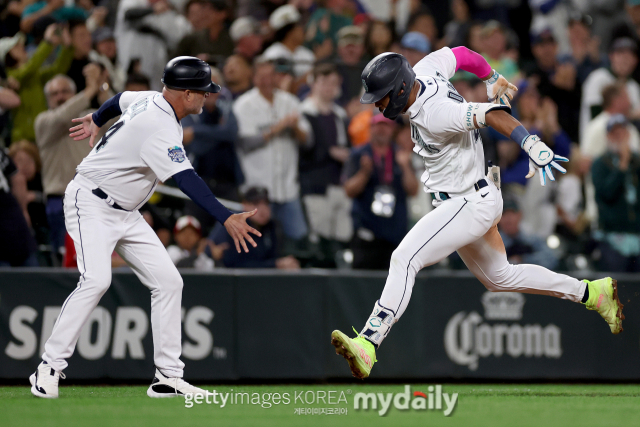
[(63, 77)]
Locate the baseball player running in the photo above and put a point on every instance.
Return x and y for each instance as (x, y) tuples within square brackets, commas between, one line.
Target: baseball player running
[(444, 128), (101, 213)]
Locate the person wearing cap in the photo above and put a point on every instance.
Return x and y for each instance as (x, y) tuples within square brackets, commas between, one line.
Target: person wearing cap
[(616, 178), (350, 62), (30, 74), (288, 40), (269, 252), (557, 79), (379, 177), (105, 52), (321, 162), (415, 46), (101, 209), (245, 33), (213, 43), (615, 101), (623, 58), (523, 248), (189, 248), (585, 49), (270, 132)]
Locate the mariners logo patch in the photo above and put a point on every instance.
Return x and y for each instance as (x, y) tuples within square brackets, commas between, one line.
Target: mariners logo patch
[(176, 154)]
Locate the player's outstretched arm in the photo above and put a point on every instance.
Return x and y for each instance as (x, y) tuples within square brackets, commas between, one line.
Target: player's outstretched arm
[(541, 157), (236, 224), (91, 123), (499, 90)]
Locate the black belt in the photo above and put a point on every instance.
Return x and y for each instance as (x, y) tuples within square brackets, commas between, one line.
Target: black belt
[(98, 192), (478, 185)]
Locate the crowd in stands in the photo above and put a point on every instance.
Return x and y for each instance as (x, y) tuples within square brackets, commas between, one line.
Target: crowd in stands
[(336, 184)]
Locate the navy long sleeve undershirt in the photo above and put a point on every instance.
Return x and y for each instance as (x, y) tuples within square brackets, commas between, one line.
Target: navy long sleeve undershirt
[(108, 110), (194, 187)]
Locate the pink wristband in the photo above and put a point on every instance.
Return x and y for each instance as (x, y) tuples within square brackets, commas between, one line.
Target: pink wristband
[(471, 61)]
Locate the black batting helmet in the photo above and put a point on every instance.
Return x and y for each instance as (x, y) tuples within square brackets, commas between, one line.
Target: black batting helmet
[(388, 74), (187, 72)]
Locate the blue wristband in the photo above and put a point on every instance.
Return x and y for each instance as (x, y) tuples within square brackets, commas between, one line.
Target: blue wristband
[(519, 134)]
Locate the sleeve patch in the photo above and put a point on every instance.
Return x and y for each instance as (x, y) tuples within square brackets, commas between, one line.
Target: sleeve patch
[(176, 154)]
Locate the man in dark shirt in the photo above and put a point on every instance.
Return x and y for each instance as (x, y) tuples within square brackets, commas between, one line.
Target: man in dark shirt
[(82, 43), (214, 41), (267, 253), (380, 177), (350, 62)]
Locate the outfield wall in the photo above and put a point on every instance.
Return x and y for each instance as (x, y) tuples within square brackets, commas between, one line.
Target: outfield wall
[(240, 324)]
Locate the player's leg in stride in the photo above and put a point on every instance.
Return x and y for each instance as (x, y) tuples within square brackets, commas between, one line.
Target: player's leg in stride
[(603, 298), (164, 386)]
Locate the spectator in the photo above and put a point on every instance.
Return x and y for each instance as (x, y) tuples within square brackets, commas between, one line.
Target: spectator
[(270, 132), (495, 50), (379, 179), (209, 140), (415, 46), (615, 177), (324, 26), (146, 30), (623, 58), (615, 100), (378, 39), (27, 159), (9, 100), (137, 83), (10, 14), (523, 248), (106, 53), (267, 253), (321, 161), (238, 75), (350, 63), (557, 79), (54, 8), (198, 13), (17, 246), (246, 34), (81, 43), (157, 222), (189, 250), (59, 152), (289, 37), (213, 43), (30, 75), (423, 22), (570, 204), (455, 31), (585, 49)]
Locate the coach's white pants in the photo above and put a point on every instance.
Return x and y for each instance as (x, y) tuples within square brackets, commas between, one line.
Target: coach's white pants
[(467, 225), (97, 229)]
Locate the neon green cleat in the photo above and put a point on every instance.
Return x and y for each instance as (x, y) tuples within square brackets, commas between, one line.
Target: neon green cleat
[(603, 297), (360, 353)]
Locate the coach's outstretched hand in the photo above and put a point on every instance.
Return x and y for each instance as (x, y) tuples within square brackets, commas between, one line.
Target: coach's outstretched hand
[(239, 230), (86, 129)]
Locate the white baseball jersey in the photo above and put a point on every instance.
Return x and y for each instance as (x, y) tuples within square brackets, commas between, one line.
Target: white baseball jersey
[(453, 155), (139, 150)]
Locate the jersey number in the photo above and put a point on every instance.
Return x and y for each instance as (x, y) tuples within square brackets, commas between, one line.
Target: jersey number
[(112, 130)]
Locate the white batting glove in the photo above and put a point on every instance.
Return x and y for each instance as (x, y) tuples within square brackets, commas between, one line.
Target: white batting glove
[(499, 90), (542, 157)]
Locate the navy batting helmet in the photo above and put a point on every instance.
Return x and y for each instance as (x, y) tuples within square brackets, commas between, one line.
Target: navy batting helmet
[(187, 72), (388, 74)]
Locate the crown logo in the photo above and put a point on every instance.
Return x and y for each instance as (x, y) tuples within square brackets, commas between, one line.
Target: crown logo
[(503, 305)]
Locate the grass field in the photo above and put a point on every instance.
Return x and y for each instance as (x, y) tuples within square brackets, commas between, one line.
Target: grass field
[(478, 405)]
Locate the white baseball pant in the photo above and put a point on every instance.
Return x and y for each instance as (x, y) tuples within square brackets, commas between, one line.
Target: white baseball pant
[(97, 229), (467, 224)]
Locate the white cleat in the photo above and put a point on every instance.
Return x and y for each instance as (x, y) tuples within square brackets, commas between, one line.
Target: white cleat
[(44, 381), (163, 386)]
